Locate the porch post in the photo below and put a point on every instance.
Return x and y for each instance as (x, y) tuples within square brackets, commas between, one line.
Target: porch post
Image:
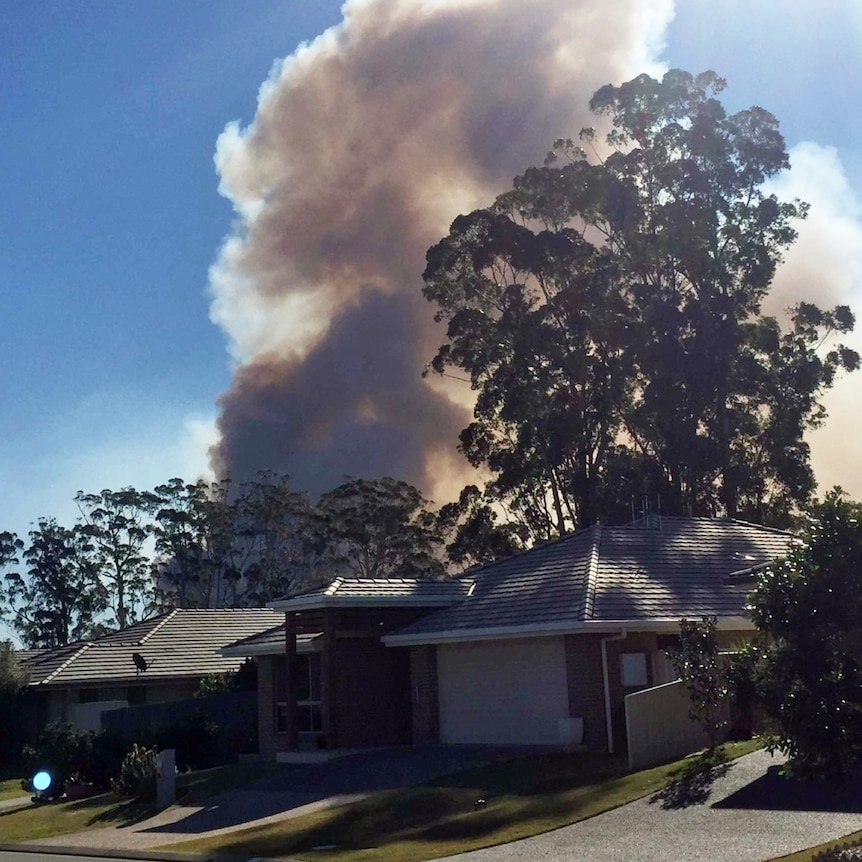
[(290, 683), (327, 681)]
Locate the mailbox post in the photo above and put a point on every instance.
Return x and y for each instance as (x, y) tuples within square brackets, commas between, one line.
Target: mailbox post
[(166, 777)]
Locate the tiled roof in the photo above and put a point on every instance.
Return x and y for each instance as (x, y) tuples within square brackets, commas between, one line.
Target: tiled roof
[(270, 642), (679, 567), (370, 590), (180, 644)]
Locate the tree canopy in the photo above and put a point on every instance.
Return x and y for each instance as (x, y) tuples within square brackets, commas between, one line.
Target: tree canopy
[(60, 597), (809, 672), (608, 312), (212, 544)]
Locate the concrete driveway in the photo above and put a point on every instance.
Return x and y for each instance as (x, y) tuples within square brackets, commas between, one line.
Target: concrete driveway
[(298, 789), (748, 814)]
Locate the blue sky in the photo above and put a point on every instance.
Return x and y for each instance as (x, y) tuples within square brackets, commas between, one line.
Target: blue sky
[(110, 213)]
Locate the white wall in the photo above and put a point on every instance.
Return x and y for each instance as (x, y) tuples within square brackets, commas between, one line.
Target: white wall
[(658, 727)]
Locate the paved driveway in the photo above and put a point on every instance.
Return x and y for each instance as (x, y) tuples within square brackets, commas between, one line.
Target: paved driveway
[(298, 789), (748, 814)]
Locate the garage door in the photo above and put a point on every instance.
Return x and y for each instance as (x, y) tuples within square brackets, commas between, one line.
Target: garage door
[(504, 692)]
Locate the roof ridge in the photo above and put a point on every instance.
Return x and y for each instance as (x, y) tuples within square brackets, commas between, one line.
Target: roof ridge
[(475, 570), (84, 646), (765, 527), (593, 571), (334, 586), (156, 628)]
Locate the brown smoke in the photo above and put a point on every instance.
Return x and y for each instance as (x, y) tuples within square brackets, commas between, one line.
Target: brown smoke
[(366, 144)]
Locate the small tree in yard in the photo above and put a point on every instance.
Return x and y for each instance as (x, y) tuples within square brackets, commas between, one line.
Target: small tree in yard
[(809, 605), (696, 662)]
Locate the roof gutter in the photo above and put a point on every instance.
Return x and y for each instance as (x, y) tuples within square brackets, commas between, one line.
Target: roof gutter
[(669, 625), (606, 677)]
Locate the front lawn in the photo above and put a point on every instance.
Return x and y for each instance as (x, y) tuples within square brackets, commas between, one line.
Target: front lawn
[(62, 818), (11, 788), (522, 798)]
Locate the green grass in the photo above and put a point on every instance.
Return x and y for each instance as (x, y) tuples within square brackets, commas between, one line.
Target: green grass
[(62, 818), (523, 798), (808, 854), (11, 788)]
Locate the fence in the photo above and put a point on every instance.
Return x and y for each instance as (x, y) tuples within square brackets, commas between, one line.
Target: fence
[(230, 720), (658, 727)]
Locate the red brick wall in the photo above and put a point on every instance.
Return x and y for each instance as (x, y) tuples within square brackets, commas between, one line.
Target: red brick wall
[(372, 693), (265, 707), (586, 686), (425, 704)]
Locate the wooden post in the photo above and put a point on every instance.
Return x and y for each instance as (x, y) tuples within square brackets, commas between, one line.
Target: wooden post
[(328, 705), (290, 687)]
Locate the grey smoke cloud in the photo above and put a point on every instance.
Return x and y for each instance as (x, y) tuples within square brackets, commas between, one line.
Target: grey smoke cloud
[(366, 144)]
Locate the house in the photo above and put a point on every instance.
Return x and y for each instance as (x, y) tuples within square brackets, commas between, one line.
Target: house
[(537, 649), (160, 659)]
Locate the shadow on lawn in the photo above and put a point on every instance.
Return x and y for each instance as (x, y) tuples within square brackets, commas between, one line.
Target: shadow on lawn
[(691, 784)]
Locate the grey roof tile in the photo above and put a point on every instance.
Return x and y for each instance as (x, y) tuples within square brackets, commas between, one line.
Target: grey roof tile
[(452, 589), (680, 567), (180, 644), (270, 642)]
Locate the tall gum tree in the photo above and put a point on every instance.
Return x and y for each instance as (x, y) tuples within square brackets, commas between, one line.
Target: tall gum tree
[(608, 312)]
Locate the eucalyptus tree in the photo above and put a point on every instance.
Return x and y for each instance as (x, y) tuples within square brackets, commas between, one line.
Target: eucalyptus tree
[(118, 524), (611, 303), (196, 563), (378, 528), (59, 597), (282, 538)]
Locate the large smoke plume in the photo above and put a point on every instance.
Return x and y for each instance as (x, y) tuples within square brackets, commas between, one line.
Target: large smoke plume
[(366, 144)]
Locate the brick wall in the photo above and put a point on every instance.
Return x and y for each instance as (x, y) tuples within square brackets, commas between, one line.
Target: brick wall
[(425, 704), (586, 686), (372, 693), (266, 707)]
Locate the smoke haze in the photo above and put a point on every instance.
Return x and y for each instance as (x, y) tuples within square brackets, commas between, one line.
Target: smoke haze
[(365, 146)]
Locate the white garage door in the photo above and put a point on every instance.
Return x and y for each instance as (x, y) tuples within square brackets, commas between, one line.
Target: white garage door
[(504, 692)]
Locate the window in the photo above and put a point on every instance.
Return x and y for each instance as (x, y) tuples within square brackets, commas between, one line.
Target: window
[(307, 688), (633, 666), (308, 693), (89, 695)]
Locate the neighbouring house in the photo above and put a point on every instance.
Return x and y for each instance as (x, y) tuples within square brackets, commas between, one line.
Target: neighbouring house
[(157, 660), (537, 649)]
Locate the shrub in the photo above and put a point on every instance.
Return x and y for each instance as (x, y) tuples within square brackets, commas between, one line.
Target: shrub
[(107, 753), (809, 608), (696, 662), (138, 774), (61, 750)]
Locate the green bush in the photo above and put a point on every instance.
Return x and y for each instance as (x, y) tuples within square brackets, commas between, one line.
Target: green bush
[(839, 853), (107, 752), (138, 774), (61, 750)]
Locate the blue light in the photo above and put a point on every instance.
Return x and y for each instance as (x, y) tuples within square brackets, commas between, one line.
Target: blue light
[(41, 781)]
